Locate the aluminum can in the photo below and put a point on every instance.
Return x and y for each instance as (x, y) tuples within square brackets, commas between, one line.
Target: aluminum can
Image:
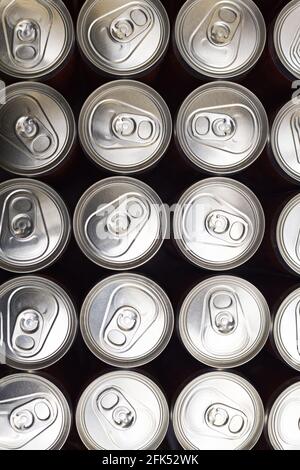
[(34, 414), (124, 38), (36, 37), (127, 320), (38, 322), (218, 224), (218, 411), (122, 410), (37, 129), (125, 126), (224, 322), (220, 39), (35, 225), (120, 223), (288, 235)]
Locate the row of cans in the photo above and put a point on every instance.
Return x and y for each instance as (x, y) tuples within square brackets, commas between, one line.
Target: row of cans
[(127, 321), (126, 127), (125, 410), (219, 39)]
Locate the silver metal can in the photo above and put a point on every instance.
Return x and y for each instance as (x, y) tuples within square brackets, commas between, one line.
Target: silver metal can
[(127, 320), (222, 127), (288, 234), (220, 39), (286, 37), (286, 329), (38, 322), (120, 223), (122, 410), (35, 225), (283, 420), (125, 126), (285, 138), (34, 414), (218, 411), (124, 38), (36, 37), (224, 321), (37, 129), (218, 224)]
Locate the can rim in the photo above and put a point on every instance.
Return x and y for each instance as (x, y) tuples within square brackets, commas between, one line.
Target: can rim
[(279, 235)]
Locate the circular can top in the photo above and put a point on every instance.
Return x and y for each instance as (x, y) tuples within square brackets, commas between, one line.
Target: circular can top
[(125, 38), (36, 37), (222, 127), (125, 126), (288, 234), (34, 414), (218, 411), (120, 223), (37, 129), (122, 410), (284, 420), (224, 321), (35, 225), (38, 322), (218, 224), (127, 320), (220, 39), (286, 329), (286, 37), (285, 138)]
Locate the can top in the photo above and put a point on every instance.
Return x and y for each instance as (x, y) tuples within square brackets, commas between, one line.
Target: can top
[(35, 225), (34, 414), (125, 126), (283, 420), (222, 127), (125, 39), (120, 223), (233, 324), (286, 37), (36, 37), (37, 129), (285, 138), (218, 223), (288, 234), (220, 39), (38, 322), (135, 322), (218, 411), (122, 411)]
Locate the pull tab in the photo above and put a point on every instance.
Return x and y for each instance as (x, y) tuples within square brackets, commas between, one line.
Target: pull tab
[(23, 235), (116, 409), (227, 227), (223, 312), (295, 125), (130, 24), (135, 129), (36, 137), (223, 25), (26, 42), (230, 422), (206, 126), (27, 416), (113, 229), (295, 50)]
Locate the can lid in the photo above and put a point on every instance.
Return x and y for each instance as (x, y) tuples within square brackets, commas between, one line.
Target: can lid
[(120, 223), (38, 322), (222, 127), (285, 138), (37, 129), (124, 39), (288, 234), (224, 321), (122, 411), (220, 39), (284, 420), (125, 126), (218, 411), (34, 414), (286, 37), (30, 240), (36, 37), (218, 224)]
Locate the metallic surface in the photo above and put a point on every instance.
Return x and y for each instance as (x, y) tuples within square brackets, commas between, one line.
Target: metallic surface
[(288, 234), (122, 411), (125, 126)]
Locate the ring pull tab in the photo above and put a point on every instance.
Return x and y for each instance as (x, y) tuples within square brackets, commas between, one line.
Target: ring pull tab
[(135, 129), (297, 318), (295, 125), (213, 126), (223, 312), (223, 25), (130, 24), (295, 50), (26, 45), (230, 422), (36, 137), (227, 227), (116, 409)]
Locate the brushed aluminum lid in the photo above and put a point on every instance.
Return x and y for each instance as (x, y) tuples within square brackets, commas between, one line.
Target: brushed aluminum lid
[(288, 234)]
